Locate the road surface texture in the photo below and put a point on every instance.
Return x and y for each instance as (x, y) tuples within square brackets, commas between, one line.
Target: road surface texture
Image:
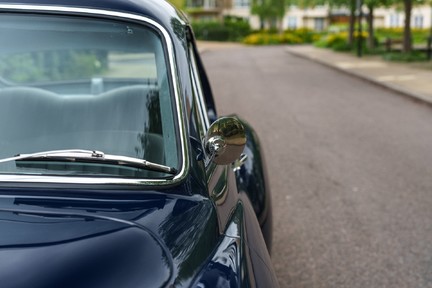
[(350, 168)]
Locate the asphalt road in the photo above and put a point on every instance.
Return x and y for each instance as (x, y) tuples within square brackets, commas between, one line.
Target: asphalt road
[(350, 168)]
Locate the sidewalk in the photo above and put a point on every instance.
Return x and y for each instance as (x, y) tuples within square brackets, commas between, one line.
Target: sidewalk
[(402, 78)]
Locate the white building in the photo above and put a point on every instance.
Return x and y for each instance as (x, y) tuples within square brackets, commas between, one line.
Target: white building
[(319, 17)]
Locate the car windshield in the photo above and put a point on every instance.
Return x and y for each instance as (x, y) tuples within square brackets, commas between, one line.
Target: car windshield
[(84, 83)]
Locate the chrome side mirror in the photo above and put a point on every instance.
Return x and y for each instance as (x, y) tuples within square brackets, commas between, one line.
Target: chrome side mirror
[(225, 140)]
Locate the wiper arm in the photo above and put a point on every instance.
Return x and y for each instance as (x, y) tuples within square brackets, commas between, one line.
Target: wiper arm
[(91, 156)]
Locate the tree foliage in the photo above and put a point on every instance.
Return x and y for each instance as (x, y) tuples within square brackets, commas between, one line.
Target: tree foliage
[(178, 3), (372, 5), (269, 11)]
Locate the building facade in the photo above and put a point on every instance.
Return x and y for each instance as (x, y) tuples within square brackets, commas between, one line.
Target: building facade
[(317, 18)]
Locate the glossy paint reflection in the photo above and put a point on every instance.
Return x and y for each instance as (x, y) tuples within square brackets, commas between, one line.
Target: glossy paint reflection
[(223, 270), (150, 242)]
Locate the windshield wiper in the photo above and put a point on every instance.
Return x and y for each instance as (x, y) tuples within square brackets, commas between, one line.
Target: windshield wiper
[(89, 156)]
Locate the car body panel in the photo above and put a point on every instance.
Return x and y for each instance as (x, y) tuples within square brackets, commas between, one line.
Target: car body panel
[(252, 180), (150, 242)]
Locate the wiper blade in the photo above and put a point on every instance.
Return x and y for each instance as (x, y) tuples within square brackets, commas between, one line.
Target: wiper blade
[(91, 156)]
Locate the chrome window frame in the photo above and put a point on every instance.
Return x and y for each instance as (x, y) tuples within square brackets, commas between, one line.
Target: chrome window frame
[(166, 38), (198, 93)]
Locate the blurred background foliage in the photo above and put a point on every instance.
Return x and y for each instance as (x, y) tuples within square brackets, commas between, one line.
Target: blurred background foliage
[(229, 29), (339, 36)]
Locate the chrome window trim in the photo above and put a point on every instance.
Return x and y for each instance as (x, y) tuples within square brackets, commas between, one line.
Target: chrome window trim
[(196, 82), (100, 13)]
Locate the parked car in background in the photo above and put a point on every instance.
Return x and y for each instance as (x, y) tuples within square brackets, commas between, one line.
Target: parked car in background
[(115, 168)]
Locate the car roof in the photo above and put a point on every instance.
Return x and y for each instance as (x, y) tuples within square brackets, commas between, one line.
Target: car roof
[(158, 10)]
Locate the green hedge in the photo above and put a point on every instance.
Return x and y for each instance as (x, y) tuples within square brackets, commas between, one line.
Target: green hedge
[(339, 42), (405, 57), (230, 29), (419, 35)]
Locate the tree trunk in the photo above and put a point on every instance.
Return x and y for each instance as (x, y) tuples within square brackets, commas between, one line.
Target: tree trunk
[(351, 22), (407, 41), (262, 23), (371, 36), (280, 26), (280, 15)]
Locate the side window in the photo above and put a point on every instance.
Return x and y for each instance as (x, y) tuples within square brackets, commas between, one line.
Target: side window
[(200, 104)]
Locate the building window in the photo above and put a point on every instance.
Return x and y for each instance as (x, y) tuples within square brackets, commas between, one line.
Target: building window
[(241, 3), (418, 21), (394, 20), (292, 22), (195, 3), (201, 3), (319, 24), (209, 4)]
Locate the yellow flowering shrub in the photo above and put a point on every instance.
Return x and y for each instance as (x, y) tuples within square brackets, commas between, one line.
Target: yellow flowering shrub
[(272, 39)]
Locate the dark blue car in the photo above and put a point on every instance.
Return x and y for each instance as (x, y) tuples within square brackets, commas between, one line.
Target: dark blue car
[(115, 168)]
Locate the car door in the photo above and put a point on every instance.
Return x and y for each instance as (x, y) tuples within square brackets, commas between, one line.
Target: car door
[(221, 182), (249, 171)]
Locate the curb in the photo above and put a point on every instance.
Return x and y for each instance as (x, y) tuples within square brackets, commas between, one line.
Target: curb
[(416, 97)]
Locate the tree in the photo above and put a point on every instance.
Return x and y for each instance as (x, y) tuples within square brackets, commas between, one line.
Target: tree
[(178, 3), (260, 8), (371, 5), (269, 11), (407, 37), (351, 22), (280, 6)]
